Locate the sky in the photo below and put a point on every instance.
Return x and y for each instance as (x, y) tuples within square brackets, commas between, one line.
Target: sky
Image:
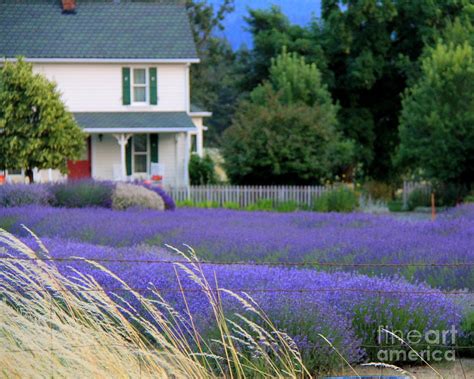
[(298, 11)]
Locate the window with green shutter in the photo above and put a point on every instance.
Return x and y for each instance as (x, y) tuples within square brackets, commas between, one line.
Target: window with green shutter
[(153, 86), (126, 86), (154, 138), (129, 156)]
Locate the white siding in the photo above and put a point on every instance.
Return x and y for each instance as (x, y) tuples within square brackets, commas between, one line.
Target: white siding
[(40, 176), (171, 155), (105, 154), (98, 87), (197, 121)]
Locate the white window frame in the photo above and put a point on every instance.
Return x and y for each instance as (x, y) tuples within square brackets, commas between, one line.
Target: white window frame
[(147, 153), (146, 86)]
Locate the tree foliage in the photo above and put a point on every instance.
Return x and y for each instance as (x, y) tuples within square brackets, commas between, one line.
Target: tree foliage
[(214, 80), (271, 32), (372, 49), (36, 129), (367, 51), (285, 133), (437, 120), (296, 81), (202, 170)]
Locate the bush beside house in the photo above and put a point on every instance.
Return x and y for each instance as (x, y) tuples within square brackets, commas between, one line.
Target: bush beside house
[(128, 196)]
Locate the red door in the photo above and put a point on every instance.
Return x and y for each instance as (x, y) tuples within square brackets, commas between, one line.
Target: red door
[(81, 169)]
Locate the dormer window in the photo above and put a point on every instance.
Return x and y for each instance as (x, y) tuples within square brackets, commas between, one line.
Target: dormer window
[(139, 86)]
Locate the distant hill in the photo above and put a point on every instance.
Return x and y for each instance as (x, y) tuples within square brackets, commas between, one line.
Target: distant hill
[(298, 11)]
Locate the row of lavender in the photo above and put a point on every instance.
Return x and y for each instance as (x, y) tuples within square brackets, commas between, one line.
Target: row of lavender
[(439, 253), (346, 308), (82, 194)]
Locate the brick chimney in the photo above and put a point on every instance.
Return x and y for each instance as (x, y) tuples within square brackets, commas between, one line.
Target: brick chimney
[(69, 6)]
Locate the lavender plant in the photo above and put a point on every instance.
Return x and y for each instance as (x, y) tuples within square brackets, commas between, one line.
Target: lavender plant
[(24, 194), (346, 308), (62, 325), (82, 193), (302, 237)]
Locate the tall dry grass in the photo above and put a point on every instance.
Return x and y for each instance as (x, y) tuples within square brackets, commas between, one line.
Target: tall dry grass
[(57, 326)]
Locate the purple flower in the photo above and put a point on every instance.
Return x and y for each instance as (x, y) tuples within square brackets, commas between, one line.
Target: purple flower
[(14, 195), (230, 236), (167, 199)]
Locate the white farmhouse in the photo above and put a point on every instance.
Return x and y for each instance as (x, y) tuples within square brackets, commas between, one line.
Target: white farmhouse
[(123, 70)]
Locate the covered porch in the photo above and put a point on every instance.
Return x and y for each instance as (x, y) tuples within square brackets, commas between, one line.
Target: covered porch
[(130, 146)]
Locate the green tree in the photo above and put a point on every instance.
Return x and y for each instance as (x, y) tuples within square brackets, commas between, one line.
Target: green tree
[(213, 81), (205, 20), (437, 120), (372, 48), (285, 133), (296, 81), (36, 129), (271, 32), (202, 170)]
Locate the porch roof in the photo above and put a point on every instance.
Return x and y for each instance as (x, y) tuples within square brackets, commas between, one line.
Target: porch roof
[(135, 122)]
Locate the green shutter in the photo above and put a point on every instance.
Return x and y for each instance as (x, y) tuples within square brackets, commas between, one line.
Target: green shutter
[(129, 156), (154, 138), (126, 85), (153, 86)]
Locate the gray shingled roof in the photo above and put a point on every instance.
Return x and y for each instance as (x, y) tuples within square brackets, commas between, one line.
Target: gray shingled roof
[(98, 30), (134, 120)]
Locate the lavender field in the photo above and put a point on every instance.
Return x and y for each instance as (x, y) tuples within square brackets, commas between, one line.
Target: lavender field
[(338, 240), (342, 276)]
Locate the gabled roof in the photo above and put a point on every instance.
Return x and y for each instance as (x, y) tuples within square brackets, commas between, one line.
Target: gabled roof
[(100, 29), (130, 122)]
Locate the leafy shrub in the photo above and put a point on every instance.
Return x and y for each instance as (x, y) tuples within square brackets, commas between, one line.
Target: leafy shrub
[(170, 205), (206, 204), (449, 194), (287, 206), (341, 199), (419, 198), (82, 193), (469, 199), (379, 190), (395, 206), (12, 195), (198, 204), (202, 170), (185, 204), (261, 205), (231, 205), (130, 196)]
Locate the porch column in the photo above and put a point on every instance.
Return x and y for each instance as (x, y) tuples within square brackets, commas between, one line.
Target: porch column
[(200, 143), (122, 140), (187, 153)]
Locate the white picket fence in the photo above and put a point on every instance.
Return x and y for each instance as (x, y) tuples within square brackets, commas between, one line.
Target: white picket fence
[(246, 195), (409, 187)]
